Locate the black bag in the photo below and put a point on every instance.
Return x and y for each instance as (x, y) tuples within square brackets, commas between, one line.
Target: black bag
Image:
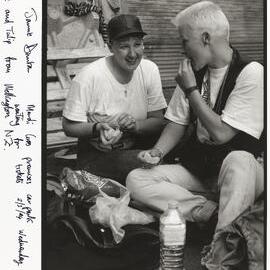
[(74, 242)]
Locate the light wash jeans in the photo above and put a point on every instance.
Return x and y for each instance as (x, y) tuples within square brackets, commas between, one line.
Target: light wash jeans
[(239, 183)]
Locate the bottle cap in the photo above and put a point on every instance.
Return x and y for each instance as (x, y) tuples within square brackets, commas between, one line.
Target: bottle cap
[(173, 204)]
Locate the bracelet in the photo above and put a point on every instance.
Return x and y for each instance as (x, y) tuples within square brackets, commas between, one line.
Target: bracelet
[(189, 90), (94, 130), (159, 152)]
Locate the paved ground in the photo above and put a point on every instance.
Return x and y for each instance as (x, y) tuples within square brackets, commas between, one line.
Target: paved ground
[(196, 238)]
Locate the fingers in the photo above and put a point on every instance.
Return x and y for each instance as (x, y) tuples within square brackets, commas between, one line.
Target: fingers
[(126, 121), (155, 152), (180, 68), (103, 138), (189, 66), (131, 125), (122, 117), (148, 160), (108, 140), (185, 65), (185, 77), (178, 77), (117, 138), (103, 126), (140, 156)]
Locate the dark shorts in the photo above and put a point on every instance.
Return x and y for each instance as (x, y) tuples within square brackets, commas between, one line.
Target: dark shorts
[(115, 164)]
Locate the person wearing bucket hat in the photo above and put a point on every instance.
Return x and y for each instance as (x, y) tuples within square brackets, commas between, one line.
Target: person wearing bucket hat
[(115, 104)]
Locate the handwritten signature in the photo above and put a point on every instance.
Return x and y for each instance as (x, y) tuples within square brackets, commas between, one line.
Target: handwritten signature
[(27, 51), (29, 16)]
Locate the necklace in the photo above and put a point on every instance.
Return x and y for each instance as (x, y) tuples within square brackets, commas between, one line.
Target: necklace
[(126, 88)]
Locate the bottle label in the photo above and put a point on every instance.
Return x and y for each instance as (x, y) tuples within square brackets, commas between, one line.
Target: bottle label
[(171, 236)]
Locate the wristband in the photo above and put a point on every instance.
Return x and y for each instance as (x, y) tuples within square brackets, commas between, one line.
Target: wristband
[(189, 90), (159, 152), (94, 130)]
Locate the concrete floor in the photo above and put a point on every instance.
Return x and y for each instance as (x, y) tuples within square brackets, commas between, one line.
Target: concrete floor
[(195, 239)]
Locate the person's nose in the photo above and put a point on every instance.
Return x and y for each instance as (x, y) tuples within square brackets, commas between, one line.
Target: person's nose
[(132, 52)]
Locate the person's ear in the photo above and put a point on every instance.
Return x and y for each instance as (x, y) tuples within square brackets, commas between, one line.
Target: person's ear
[(206, 38)]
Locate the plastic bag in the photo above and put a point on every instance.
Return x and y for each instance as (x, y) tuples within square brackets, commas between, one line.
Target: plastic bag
[(115, 213), (83, 186), (110, 200)]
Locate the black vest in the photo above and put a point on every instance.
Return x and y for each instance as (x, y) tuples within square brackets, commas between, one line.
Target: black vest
[(204, 159)]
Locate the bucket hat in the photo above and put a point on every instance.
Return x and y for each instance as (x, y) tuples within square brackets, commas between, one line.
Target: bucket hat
[(124, 25)]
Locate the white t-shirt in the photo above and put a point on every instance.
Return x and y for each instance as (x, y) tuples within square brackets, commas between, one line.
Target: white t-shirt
[(243, 109), (96, 96)]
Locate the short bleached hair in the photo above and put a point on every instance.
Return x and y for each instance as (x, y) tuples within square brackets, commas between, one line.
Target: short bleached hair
[(204, 16)]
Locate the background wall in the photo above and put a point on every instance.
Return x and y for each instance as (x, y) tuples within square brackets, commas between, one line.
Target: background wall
[(162, 44)]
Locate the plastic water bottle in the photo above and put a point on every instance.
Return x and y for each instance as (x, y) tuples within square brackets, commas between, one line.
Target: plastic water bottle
[(172, 238)]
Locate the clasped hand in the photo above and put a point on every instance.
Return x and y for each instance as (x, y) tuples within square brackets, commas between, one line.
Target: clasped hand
[(111, 133), (108, 134), (185, 77), (150, 158), (127, 122)]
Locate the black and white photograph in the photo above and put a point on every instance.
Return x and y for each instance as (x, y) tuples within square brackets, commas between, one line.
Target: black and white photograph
[(155, 137), (21, 134)]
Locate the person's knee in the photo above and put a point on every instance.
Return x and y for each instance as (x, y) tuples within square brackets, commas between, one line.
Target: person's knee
[(236, 158), (235, 166), (133, 180)]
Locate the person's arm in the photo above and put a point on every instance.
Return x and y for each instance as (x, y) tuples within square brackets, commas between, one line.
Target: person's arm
[(85, 129), (219, 131), (77, 129), (170, 137), (152, 125)]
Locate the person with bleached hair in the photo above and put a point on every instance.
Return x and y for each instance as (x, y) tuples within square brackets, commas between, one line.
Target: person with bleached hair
[(221, 94)]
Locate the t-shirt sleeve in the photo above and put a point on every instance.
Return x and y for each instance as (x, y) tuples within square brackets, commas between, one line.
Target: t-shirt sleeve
[(155, 97), (178, 110), (244, 107), (75, 108)]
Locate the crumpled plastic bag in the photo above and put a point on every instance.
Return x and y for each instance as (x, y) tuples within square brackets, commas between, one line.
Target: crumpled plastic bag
[(115, 213), (86, 187), (109, 199)]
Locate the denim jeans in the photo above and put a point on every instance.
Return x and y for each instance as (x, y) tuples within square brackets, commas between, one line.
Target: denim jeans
[(239, 182)]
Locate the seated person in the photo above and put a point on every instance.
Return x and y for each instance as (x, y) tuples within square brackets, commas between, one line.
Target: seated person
[(115, 104), (223, 97)]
